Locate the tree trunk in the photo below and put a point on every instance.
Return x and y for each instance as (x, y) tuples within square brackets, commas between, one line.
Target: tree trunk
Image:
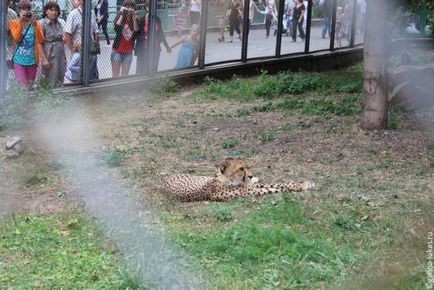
[(375, 68)]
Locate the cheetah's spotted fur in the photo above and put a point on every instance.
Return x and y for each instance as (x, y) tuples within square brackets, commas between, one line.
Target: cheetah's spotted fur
[(232, 179)]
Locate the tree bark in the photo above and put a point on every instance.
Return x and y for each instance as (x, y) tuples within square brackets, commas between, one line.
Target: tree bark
[(375, 69)]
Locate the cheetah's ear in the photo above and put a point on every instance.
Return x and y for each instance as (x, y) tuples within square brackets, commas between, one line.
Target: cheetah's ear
[(222, 167), (224, 164)]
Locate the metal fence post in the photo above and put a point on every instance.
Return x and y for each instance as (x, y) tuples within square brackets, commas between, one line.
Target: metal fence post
[(279, 27), (202, 38), (333, 25), (246, 25), (353, 24), (308, 26), (152, 19), (86, 39), (3, 37)]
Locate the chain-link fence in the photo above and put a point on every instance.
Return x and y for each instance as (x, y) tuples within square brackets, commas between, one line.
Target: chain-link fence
[(89, 41)]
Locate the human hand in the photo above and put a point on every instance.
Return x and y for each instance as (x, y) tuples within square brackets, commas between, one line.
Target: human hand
[(45, 63)]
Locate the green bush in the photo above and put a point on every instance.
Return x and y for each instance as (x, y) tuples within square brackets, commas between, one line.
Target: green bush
[(21, 107)]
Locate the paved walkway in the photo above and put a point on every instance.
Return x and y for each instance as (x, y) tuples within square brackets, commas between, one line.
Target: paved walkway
[(215, 51)]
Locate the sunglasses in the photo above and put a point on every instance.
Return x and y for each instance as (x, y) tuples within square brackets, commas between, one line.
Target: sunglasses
[(25, 7)]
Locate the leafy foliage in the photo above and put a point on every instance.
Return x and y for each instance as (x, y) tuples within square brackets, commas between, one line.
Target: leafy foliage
[(23, 107), (165, 86)]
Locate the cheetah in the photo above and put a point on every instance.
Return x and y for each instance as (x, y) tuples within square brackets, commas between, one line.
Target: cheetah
[(232, 179)]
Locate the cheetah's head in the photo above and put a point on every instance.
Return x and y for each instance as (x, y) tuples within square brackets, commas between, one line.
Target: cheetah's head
[(236, 172)]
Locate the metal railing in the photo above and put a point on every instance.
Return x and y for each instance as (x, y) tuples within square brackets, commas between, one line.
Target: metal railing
[(252, 45)]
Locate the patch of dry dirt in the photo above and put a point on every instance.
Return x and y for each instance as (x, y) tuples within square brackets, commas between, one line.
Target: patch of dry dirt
[(15, 195)]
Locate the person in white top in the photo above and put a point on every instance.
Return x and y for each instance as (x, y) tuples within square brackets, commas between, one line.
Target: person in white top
[(73, 31), (289, 6), (252, 9), (270, 13), (195, 7), (361, 12)]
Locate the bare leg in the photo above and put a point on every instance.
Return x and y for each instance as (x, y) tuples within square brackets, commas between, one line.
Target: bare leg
[(116, 67), (125, 68)]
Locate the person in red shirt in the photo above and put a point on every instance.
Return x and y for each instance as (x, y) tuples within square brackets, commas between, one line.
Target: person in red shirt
[(126, 27)]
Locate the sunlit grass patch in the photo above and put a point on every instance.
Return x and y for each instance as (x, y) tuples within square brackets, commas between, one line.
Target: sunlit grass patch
[(55, 252), (267, 249), (268, 86)]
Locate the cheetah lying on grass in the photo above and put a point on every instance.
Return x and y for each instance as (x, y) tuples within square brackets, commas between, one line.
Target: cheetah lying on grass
[(232, 179)]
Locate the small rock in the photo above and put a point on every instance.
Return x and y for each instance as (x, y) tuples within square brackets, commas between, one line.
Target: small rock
[(14, 146)]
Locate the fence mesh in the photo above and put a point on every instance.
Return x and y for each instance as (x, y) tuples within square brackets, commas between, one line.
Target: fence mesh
[(121, 43)]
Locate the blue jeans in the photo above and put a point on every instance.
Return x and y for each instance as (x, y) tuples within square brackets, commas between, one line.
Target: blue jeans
[(121, 56), (326, 25)]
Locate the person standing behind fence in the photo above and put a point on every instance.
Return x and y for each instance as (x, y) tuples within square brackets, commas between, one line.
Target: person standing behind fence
[(187, 55), (195, 7), (327, 10), (252, 9), (73, 32), (52, 28), (361, 8), (270, 13), (73, 71), (102, 15), (141, 49), (11, 15), (9, 41), (234, 19), (347, 22), (27, 35), (126, 27), (297, 20), (181, 16), (221, 18), (338, 30)]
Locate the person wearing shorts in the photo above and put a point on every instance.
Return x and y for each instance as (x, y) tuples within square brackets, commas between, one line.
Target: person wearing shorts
[(126, 28), (28, 38)]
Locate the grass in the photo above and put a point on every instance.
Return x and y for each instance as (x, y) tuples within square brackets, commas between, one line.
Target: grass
[(286, 83), (230, 143), (56, 251), (270, 248), (113, 158)]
